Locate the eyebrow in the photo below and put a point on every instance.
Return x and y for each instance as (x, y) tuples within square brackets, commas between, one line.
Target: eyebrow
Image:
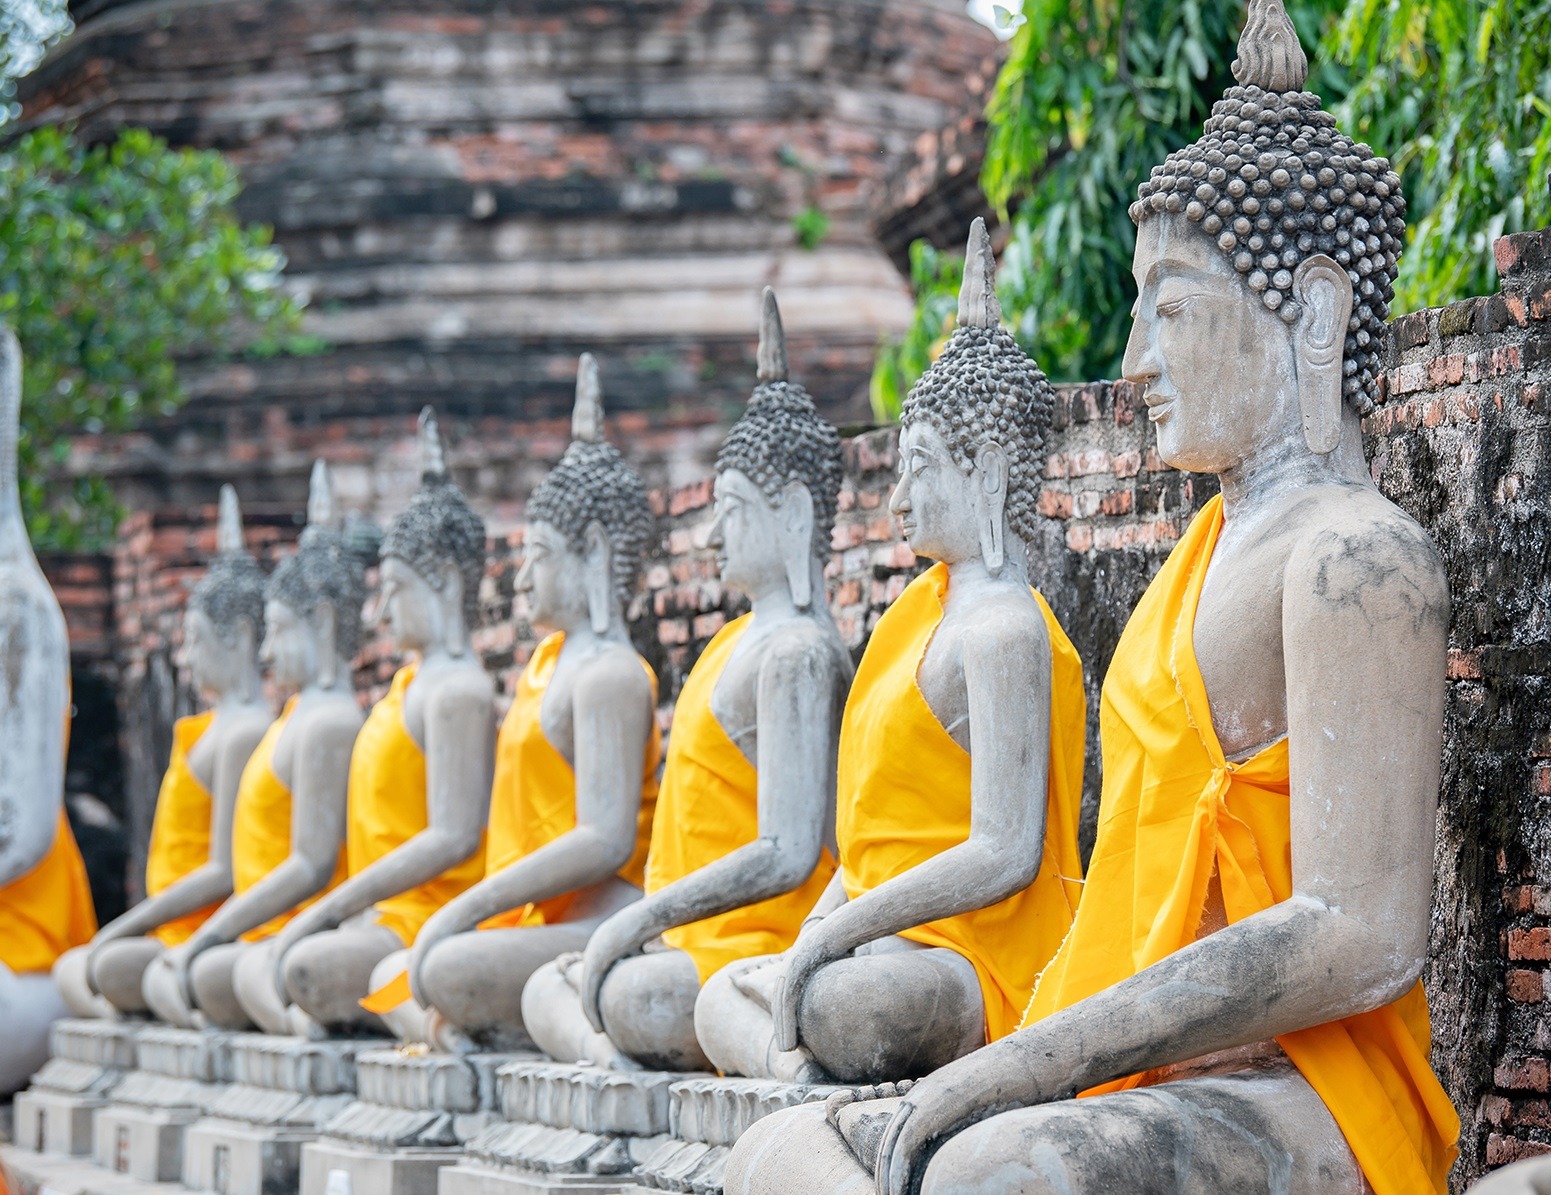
[(1182, 267)]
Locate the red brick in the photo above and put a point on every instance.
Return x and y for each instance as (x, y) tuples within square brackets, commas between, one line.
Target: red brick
[(1522, 1074), (1079, 538), (1116, 502), (1533, 945), (1447, 370), (1519, 899), (1463, 665), (1055, 505), (1541, 779), (1525, 987), (1502, 1150)]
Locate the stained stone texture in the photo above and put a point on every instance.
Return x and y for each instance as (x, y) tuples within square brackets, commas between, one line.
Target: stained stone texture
[(87, 1059), (283, 1091), (411, 1116), (706, 1116), (178, 1071)]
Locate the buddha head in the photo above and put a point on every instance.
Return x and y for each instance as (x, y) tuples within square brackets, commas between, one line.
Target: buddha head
[(778, 480), (433, 558), (312, 612), (1265, 264), (588, 524), (973, 432), (224, 619)]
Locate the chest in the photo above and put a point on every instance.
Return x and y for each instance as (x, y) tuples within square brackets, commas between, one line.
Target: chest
[(557, 716), (940, 677), (1237, 639), (202, 756)]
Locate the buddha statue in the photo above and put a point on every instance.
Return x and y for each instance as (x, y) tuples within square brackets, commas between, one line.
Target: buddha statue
[(575, 764), (1238, 995), (45, 901), (959, 760), (739, 845), (419, 784), (188, 869), (288, 823)]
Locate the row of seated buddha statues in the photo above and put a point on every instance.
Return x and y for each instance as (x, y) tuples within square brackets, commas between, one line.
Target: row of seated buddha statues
[(873, 879)]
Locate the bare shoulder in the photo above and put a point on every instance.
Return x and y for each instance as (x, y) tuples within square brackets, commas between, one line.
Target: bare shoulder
[(241, 730), (1359, 553), (461, 687), (330, 719), (613, 670), (1006, 624), (804, 645)]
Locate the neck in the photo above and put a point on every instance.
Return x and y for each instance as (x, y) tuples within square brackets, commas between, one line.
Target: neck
[(1265, 477), (577, 629), (774, 604), (972, 575), (344, 682), (245, 689)]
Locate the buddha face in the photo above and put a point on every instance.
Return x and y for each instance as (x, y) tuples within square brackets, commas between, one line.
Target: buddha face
[(214, 665), (1218, 370), (552, 579), (935, 497), (746, 535), (290, 650), (408, 605)]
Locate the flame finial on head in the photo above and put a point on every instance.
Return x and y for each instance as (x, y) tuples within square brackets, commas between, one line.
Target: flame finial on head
[(978, 305), (433, 456), (228, 524), (772, 341), (320, 497), (587, 415), (1270, 55)]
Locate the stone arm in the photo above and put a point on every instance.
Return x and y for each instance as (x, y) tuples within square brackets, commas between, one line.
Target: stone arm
[(34, 707), (459, 762), (1006, 667), (320, 778), (1364, 638), (612, 717), (212, 882), (801, 689)]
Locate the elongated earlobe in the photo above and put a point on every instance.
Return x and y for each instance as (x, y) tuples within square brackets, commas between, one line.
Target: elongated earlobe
[(451, 592), (797, 542), (600, 578), (991, 504), (328, 655), (1324, 292)]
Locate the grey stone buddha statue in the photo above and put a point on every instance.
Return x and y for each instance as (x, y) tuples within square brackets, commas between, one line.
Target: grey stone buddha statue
[(959, 763), (289, 818), (576, 759), (741, 847), (1238, 995), (419, 775), (45, 903), (189, 861)]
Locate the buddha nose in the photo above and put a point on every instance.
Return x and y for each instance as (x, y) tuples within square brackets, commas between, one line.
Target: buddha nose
[(1140, 364), (899, 499)]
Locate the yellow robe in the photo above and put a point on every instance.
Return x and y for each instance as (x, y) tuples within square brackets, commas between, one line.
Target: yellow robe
[(261, 826), (533, 800), (48, 910), (1174, 810), (180, 833), (709, 807), (904, 797), (388, 807)]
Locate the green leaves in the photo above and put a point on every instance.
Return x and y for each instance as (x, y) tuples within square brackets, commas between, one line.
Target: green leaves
[(1094, 93), (114, 262)]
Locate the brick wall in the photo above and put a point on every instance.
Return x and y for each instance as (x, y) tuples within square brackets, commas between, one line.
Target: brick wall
[(1462, 440)]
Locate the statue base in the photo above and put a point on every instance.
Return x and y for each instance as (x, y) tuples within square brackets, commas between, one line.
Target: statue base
[(412, 1115), (87, 1059), (179, 1073), (706, 1116), (283, 1091), (47, 1174)]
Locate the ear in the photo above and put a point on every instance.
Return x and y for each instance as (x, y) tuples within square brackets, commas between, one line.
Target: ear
[(991, 503), (246, 640), (449, 586), (326, 626), (1324, 293), (599, 555), (796, 520)]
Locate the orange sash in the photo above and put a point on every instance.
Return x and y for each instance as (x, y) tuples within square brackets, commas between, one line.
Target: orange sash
[(904, 797), (48, 910), (388, 807), (709, 808), (180, 832), (1174, 810), (261, 826), (533, 801)]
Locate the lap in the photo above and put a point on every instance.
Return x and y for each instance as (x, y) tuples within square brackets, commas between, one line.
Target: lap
[(1251, 1133)]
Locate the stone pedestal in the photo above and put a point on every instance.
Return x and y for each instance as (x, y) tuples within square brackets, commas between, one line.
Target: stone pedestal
[(87, 1059), (412, 1115), (706, 1116), (566, 1128), (283, 1091), (140, 1133)]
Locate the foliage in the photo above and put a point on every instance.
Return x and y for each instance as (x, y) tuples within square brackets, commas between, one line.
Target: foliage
[(1094, 93), (27, 29), (811, 226), (114, 261), (1458, 93)]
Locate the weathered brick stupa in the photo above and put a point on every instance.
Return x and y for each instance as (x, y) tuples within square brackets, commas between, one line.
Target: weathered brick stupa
[(474, 192)]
